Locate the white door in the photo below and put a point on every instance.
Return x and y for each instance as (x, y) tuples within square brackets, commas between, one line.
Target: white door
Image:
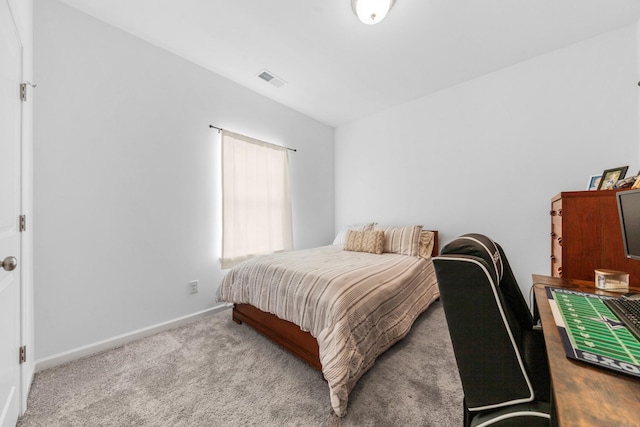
[(10, 152)]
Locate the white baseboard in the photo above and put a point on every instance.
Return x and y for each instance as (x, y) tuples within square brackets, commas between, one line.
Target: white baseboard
[(87, 350)]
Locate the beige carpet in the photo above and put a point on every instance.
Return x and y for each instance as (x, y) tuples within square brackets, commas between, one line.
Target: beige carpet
[(213, 372)]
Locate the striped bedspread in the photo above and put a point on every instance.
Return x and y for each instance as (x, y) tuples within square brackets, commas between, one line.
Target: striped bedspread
[(355, 304)]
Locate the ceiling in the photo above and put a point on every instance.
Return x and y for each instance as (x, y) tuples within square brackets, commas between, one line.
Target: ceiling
[(339, 70)]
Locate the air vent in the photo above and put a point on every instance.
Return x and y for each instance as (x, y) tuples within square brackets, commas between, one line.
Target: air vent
[(269, 77)]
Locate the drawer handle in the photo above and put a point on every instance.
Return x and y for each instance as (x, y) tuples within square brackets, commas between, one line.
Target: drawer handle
[(553, 234), (560, 240)]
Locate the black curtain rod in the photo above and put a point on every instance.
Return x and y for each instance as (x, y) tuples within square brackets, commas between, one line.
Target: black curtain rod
[(220, 130)]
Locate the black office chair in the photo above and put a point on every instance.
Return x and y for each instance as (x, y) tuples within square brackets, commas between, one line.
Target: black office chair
[(501, 356)]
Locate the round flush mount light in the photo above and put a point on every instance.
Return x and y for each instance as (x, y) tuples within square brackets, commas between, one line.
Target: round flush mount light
[(371, 11)]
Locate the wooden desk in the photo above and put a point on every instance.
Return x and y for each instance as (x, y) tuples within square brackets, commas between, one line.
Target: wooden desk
[(584, 395)]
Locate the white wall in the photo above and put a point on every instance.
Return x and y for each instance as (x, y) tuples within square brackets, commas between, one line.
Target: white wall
[(487, 156), (125, 177), (126, 181)]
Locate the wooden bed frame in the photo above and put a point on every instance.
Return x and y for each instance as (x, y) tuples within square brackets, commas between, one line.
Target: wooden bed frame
[(287, 334)]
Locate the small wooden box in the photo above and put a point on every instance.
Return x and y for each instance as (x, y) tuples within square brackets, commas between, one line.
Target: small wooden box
[(612, 280)]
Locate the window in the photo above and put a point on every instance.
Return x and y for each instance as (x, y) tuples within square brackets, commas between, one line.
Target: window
[(256, 199)]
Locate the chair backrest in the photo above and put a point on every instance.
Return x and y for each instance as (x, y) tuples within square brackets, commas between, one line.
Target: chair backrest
[(487, 316)]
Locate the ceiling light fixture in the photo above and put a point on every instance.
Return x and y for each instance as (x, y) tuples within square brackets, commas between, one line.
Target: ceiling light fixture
[(371, 11)]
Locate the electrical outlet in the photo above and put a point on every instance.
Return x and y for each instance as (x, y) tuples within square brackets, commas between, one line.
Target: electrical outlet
[(193, 286)]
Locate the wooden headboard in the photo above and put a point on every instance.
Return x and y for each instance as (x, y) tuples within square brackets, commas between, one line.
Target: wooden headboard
[(435, 251)]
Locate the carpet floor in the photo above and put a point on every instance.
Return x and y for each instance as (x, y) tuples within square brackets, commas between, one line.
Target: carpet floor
[(213, 372)]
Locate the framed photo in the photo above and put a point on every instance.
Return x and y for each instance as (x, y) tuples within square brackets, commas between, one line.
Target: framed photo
[(594, 182), (611, 176)]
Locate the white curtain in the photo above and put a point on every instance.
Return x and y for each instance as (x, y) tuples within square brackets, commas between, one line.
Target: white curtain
[(256, 199)]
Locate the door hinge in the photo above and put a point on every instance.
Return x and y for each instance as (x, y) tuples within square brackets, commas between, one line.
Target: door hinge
[(23, 223), (23, 91), (23, 354)]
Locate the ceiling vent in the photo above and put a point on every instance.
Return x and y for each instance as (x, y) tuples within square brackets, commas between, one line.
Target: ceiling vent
[(269, 77)]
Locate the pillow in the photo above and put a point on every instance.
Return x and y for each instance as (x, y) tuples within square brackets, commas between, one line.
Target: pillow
[(340, 237), (426, 243), (364, 241), (402, 240)]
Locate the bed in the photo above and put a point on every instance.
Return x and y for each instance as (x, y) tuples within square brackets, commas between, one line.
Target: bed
[(338, 308)]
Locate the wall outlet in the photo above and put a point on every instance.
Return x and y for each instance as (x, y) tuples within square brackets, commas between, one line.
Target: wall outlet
[(193, 286)]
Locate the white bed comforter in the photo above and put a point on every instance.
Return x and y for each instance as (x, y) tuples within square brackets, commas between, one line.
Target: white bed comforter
[(355, 304)]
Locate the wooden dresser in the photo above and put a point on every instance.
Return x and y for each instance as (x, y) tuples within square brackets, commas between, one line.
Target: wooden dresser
[(585, 235)]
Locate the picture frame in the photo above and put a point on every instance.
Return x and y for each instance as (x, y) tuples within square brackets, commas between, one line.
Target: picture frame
[(611, 176), (594, 182)]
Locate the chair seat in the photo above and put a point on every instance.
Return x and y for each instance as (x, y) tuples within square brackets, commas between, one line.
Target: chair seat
[(522, 415)]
